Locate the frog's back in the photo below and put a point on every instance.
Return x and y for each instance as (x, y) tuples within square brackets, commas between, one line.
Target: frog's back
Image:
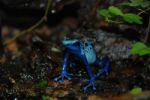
[(89, 52)]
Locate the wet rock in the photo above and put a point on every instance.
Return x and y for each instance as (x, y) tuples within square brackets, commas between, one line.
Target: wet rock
[(64, 84), (60, 93), (142, 96), (64, 95), (108, 88), (113, 45), (121, 97)]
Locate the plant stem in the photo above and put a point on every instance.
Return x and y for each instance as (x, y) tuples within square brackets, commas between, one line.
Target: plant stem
[(147, 31), (143, 11), (44, 18), (115, 22)]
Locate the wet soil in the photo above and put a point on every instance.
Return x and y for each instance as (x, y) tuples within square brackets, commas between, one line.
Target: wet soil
[(20, 76)]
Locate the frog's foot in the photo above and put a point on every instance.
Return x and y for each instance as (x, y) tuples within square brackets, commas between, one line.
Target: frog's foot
[(63, 75), (90, 83)]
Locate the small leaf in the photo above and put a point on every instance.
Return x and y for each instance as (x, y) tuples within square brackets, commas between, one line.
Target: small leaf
[(144, 51), (136, 2), (145, 4), (137, 47), (140, 49), (115, 10), (41, 84), (104, 13), (125, 3), (45, 97), (132, 18), (136, 90)]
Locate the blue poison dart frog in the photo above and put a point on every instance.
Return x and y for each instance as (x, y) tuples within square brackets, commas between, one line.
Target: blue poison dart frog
[(84, 50)]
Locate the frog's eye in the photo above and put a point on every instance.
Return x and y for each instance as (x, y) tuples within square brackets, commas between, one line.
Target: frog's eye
[(86, 44), (66, 38)]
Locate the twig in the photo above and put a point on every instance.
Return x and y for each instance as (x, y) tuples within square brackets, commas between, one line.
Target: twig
[(115, 22), (148, 28), (44, 18), (147, 32), (143, 11)]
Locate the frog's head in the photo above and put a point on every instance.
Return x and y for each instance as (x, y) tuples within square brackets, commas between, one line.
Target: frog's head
[(67, 41)]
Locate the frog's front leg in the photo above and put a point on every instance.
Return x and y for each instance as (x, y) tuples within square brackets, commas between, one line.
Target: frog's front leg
[(90, 74), (64, 73), (104, 66)]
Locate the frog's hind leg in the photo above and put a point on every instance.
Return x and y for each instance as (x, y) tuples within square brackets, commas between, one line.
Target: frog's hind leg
[(90, 73), (104, 66)]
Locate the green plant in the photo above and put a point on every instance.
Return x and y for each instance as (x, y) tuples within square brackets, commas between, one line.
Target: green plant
[(113, 11), (41, 84), (137, 3), (136, 90), (140, 48), (44, 97), (117, 14), (143, 6)]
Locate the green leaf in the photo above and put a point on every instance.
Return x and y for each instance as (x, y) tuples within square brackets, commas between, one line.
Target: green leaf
[(115, 10), (144, 51), (104, 13), (41, 84), (45, 97), (140, 48), (132, 18), (137, 47), (136, 2), (125, 3), (145, 4), (136, 90)]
